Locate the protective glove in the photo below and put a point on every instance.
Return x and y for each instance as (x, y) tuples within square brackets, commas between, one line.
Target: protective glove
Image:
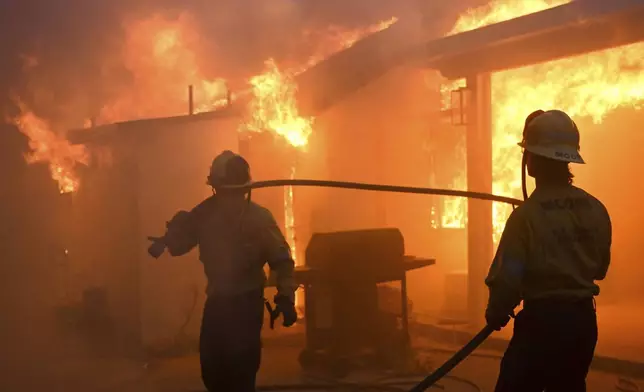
[(495, 319), (179, 220), (157, 248), (286, 307)]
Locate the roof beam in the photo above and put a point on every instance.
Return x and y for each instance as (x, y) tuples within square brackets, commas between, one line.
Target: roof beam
[(576, 28)]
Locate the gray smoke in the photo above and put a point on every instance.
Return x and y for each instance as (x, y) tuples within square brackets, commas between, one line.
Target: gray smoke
[(72, 39)]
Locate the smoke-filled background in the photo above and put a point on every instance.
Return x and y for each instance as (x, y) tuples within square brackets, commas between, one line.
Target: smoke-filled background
[(75, 64), (70, 59), (69, 63)]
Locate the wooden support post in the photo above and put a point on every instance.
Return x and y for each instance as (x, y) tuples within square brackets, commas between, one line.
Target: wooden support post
[(479, 179), (191, 102)]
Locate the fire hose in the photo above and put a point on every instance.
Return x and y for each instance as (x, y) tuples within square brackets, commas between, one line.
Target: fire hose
[(454, 360), (378, 188), (464, 352)]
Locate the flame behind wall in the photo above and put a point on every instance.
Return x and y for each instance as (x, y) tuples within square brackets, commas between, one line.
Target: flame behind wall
[(586, 86)]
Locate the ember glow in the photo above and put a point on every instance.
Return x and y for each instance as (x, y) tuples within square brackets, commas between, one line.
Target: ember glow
[(48, 146), (585, 86), (274, 109), (590, 85)]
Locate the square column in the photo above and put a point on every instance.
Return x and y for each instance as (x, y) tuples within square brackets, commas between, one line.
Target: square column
[(479, 179)]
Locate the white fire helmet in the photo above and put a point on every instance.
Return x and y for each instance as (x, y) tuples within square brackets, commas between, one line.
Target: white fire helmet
[(229, 168), (553, 135)]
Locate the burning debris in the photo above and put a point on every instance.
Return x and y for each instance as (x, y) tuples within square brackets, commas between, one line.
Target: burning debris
[(163, 56)]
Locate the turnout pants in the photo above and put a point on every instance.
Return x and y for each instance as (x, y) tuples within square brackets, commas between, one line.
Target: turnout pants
[(551, 349), (230, 345)]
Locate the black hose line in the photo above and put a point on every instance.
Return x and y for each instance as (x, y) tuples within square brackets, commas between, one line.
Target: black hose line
[(327, 387), (377, 188), (524, 160), (454, 360), (460, 355), (385, 386)]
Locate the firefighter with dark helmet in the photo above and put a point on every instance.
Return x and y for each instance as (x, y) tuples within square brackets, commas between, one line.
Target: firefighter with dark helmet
[(235, 237), (554, 249)]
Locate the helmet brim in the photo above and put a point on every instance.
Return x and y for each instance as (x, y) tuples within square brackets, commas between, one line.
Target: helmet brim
[(219, 184), (558, 153)]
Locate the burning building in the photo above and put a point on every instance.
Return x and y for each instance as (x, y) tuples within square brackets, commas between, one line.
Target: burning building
[(375, 112), (263, 123)]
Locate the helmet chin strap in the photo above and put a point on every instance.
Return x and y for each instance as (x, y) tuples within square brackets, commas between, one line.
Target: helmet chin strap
[(524, 160), (524, 167)]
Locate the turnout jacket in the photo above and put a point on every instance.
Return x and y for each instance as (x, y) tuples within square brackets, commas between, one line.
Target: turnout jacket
[(555, 245), (234, 245)]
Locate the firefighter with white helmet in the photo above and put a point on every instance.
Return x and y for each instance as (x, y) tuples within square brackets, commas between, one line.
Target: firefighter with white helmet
[(236, 237), (554, 248)]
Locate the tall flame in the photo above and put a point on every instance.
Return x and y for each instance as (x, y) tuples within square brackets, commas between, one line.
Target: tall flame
[(590, 85), (584, 86), (161, 56), (48, 146), (274, 107)]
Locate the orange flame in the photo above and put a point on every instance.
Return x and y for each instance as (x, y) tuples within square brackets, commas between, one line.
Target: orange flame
[(274, 107), (590, 85), (48, 146), (336, 39), (499, 11), (161, 55)]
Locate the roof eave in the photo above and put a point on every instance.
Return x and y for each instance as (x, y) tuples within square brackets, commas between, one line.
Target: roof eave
[(568, 30), (105, 134)]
